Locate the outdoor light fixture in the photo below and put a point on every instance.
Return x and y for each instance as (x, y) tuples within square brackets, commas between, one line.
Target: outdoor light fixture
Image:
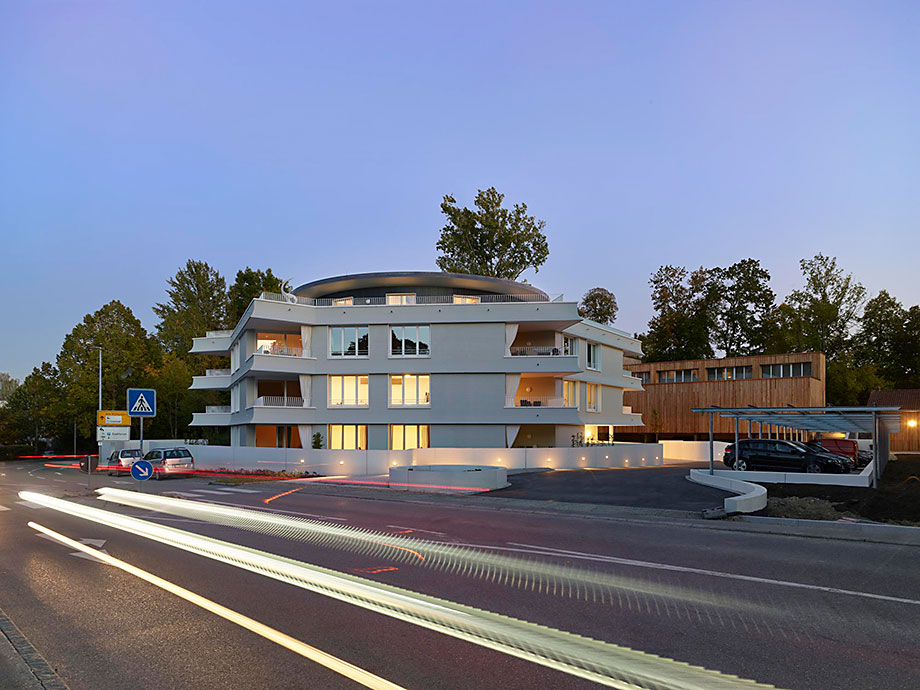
[(911, 423), (341, 462)]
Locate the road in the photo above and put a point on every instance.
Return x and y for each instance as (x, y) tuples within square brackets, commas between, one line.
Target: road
[(754, 605)]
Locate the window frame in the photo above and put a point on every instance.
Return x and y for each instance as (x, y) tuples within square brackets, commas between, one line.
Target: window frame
[(596, 347), (344, 354), (410, 298), (402, 340), (567, 341), (573, 387), (467, 299), (419, 433), (418, 388), (330, 404), (592, 391), (342, 427)]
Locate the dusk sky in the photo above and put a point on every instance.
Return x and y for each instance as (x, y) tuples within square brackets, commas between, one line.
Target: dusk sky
[(318, 139)]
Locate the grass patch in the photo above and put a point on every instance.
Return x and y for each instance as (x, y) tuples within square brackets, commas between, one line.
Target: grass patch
[(251, 476), (896, 500)]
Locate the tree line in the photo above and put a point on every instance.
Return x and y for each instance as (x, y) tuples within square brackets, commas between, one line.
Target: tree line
[(58, 400)]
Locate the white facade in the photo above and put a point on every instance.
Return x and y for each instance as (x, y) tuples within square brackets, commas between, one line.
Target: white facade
[(406, 360)]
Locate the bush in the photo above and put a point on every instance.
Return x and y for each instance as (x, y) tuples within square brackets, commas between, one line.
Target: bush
[(13, 452)]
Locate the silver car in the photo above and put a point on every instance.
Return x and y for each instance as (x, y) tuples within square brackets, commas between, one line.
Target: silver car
[(168, 461), (121, 460)]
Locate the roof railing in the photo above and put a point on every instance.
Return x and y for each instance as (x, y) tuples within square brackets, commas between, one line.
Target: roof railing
[(458, 299)]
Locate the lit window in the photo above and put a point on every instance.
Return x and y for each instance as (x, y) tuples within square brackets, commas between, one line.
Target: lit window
[(467, 299), (348, 391), (410, 389), (594, 356), (348, 341), (278, 344), (408, 436), (570, 394), (592, 397), (569, 345), (343, 301), (410, 341), (347, 437), (401, 298)]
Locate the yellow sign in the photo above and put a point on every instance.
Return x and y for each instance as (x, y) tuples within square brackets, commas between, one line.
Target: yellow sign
[(113, 418)]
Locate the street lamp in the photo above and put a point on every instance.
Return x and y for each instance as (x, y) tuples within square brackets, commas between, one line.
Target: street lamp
[(89, 461)]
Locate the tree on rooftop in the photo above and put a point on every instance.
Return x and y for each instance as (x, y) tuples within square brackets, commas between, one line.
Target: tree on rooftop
[(598, 304), (248, 285), (490, 240)]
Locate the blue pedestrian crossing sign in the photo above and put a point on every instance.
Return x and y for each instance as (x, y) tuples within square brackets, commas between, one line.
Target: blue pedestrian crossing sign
[(142, 402), (141, 470)]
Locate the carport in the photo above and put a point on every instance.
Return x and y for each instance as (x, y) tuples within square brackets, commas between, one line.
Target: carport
[(795, 423)]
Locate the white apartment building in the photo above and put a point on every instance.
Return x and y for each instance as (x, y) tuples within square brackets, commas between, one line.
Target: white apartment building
[(408, 360)]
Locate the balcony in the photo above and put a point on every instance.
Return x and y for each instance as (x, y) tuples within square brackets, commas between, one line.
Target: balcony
[(213, 343), (213, 380), (420, 300), (538, 401), (536, 351), (281, 350), (277, 401), (217, 372), (217, 409), (213, 415)]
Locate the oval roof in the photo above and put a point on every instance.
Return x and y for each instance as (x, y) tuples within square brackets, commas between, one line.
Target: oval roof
[(387, 279)]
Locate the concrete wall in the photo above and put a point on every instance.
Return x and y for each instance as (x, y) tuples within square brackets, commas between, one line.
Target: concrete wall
[(358, 462), (692, 451)]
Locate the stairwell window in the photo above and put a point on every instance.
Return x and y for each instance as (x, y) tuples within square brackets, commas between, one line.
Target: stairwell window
[(594, 356), (348, 341), (410, 390), (347, 436), (592, 397), (348, 391), (409, 436), (410, 341)]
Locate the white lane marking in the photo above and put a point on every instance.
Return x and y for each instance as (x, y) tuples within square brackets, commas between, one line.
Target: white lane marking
[(39, 476), (530, 548), (58, 474), (241, 491), (208, 491), (416, 529), (121, 481), (29, 504), (184, 494), (3, 508), (62, 481), (355, 673)]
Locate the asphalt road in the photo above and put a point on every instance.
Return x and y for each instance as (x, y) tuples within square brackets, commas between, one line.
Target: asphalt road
[(755, 605)]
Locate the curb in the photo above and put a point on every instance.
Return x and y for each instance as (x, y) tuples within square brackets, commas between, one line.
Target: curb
[(31, 664)]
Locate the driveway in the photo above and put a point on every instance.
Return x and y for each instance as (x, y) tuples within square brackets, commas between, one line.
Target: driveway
[(641, 487)]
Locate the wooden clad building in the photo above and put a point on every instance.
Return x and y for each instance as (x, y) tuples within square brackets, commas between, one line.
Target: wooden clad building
[(908, 399), (672, 389)]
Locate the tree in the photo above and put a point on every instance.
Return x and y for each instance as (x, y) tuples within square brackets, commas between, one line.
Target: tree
[(127, 350), (686, 308), (598, 304), (248, 285), (33, 412), (888, 339), (744, 309), (7, 385), (174, 400), (197, 303), (490, 240), (827, 307)]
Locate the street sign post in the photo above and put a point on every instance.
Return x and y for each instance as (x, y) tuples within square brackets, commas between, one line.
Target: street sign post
[(142, 402), (141, 470), (113, 418), (113, 433)]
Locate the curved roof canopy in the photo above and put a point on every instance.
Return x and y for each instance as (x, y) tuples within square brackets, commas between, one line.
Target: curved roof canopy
[(405, 279)]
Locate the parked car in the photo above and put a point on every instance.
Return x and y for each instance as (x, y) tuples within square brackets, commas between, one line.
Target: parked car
[(863, 440), (169, 461), (838, 446), (782, 456), (121, 460)]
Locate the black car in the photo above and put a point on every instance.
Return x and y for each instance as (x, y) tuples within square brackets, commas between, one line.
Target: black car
[(781, 456)]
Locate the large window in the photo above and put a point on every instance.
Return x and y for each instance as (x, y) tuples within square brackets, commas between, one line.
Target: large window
[(347, 437), (570, 393), (644, 376), (401, 298), (410, 341), (569, 345), (783, 371), (592, 397), (729, 373), (467, 299), (343, 301), (279, 344), (410, 389), (348, 391), (348, 341), (594, 356), (408, 436), (677, 376)]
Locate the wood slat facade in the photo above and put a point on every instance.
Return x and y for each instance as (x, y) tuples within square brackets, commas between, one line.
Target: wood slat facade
[(674, 401)]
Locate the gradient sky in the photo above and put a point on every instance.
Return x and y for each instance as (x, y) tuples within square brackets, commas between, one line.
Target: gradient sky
[(318, 139)]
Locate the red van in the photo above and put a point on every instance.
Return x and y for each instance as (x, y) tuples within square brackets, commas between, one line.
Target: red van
[(839, 446)]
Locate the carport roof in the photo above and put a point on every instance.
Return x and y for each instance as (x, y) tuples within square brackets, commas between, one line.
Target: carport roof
[(840, 419)]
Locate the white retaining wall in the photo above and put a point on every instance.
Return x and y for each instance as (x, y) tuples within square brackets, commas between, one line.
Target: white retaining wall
[(692, 451), (448, 478), (364, 462)]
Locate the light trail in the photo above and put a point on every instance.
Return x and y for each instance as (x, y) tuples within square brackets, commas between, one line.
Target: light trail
[(355, 673), (601, 662), (537, 576), (283, 493)]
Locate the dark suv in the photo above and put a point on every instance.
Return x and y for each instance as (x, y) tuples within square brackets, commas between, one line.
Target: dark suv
[(781, 456)]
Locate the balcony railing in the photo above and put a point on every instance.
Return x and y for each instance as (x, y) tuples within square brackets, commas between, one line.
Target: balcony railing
[(417, 300), (277, 401), (218, 334), (217, 409), (536, 351), (538, 401), (282, 350), (217, 372)]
